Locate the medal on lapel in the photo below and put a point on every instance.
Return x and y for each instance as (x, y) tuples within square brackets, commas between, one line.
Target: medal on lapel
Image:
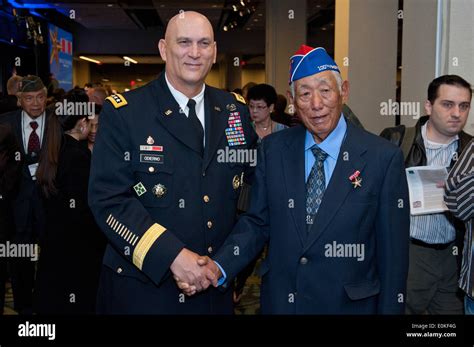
[(355, 179)]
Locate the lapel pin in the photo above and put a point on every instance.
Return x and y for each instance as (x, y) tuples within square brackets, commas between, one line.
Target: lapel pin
[(355, 179), (217, 108), (150, 140), (168, 112)]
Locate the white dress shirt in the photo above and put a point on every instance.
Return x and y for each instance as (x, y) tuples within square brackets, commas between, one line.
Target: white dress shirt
[(182, 101)]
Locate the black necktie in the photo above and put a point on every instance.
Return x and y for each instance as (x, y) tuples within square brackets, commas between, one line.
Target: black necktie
[(192, 116)]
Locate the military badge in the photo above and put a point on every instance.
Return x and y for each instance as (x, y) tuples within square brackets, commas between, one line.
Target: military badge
[(159, 190), (231, 107), (236, 182), (355, 179), (139, 188)]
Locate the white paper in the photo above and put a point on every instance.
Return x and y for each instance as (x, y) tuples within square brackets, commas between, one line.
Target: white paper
[(33, 168), (425, 196)]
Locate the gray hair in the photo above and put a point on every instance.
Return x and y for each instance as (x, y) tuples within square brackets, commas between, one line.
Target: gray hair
[(336, 74)]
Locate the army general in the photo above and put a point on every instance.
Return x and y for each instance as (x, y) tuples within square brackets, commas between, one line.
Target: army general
[(157, 188)]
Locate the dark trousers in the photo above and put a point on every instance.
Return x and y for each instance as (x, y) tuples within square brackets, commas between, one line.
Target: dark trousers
[(432, 285), (23, 282)]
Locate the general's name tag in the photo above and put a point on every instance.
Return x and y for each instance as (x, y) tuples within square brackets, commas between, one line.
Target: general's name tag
[(151, 158)]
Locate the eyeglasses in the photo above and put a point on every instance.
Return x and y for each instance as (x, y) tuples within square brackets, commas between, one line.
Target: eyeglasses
[(257, 107)]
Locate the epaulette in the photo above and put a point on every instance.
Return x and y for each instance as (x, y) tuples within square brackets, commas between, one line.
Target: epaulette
[(117, 100), (239, 98)]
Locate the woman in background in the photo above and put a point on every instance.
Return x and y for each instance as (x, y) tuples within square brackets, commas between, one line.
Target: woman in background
[(73, 245), (261, 101)]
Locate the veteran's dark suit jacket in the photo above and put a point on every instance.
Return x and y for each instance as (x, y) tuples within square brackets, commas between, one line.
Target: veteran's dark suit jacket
[(309, 273), (181, 198), (28, 213)]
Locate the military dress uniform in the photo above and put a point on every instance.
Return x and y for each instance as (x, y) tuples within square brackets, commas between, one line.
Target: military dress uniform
[(154, 191)]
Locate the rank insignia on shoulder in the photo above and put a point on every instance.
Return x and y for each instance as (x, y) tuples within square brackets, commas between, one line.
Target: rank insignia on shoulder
[(239, 98), (117, 100), (139, 188)]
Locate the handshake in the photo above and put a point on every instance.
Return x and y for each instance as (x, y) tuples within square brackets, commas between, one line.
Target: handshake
[(194, 273)]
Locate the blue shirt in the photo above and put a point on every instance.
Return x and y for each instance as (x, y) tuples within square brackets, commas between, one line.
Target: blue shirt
[(331, 145)]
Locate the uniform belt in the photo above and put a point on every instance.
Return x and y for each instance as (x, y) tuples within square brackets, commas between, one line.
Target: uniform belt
[(437, 246)]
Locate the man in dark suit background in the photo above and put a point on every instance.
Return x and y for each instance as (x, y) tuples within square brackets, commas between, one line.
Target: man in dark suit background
[(159, 189), (331, 201), (29, 127)]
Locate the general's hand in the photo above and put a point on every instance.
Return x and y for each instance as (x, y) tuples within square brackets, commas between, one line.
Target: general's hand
[(203, 261), (190, 268)]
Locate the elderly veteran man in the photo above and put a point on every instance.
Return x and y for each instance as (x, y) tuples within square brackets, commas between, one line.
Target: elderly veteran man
[(331, 202), (29, 125)]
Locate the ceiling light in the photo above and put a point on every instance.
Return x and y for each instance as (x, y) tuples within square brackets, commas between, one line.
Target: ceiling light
[(89, 59), (242, 3), (130, 60), (225, 28), (235, 8)]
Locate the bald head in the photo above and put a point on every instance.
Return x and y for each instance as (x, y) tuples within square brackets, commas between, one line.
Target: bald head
[(187, 18), (189, 51)]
